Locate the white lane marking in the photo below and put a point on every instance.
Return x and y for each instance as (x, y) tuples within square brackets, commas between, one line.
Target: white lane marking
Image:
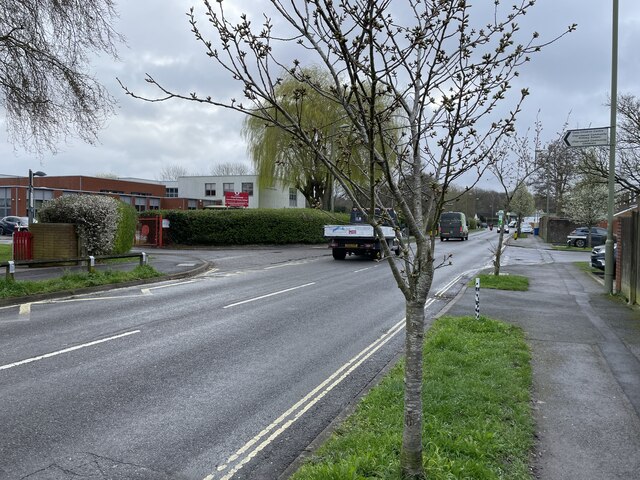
[(306, 403), (25, 309), (288, 264), (168, 285), (269, 295), (448, 286), (362, 269), (147, 291), (66, 350)]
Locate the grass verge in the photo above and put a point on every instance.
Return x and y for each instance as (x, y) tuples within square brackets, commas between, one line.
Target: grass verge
[(73, 281), (477, 417), (5, 252), (502, 282)]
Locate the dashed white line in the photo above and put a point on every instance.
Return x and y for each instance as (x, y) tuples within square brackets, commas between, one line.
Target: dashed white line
[(269, 295), (66, 350)]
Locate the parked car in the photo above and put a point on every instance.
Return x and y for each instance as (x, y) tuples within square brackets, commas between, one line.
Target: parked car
[(597, 256), (526, 228), (578, 237), (10, 224)]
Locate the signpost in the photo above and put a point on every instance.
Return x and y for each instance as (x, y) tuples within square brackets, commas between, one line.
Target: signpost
[(587, 137)]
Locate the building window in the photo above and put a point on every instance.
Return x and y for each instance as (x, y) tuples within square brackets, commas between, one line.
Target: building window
[(154, 204), (293, 197), (227, 187), (209, 189), (5, 202), (247, 187), (140, 204), (192, 205), (172, 192)]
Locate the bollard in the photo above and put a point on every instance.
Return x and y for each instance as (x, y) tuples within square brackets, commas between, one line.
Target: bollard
[(91, 264), (477, 298), (11, 271), (143, 259)]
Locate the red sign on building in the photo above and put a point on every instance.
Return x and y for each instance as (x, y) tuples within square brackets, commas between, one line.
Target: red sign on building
[(236, 199)]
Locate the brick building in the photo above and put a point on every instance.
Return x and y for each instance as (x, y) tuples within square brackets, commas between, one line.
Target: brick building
[(186, 193)]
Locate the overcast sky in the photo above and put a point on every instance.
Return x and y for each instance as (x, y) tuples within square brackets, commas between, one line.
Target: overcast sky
[(570, 79)]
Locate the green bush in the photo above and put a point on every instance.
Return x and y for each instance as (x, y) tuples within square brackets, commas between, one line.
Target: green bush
[(95, 218), (473, 224), (126, 229), (247, 226)]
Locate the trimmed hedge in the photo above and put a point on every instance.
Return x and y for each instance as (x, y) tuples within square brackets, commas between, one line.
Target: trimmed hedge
[(247, 226)]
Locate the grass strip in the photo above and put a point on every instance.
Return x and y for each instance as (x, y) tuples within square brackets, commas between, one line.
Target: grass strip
[(73, 281), (5, 252), (502, 282), (477, 417)]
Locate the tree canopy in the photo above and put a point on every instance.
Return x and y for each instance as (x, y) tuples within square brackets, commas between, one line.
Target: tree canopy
[(46, 88)]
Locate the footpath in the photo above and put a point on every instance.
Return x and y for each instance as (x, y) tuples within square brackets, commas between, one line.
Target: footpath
[(586, 369)]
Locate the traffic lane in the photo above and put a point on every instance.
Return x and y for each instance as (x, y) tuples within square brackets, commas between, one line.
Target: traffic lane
[(54, 325), (115, 386), (79, 320)]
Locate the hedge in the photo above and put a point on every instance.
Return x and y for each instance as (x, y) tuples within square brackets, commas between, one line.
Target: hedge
[(247, 226)]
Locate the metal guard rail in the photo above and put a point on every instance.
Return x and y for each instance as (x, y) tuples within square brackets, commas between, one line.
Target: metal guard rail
[(10, 266)]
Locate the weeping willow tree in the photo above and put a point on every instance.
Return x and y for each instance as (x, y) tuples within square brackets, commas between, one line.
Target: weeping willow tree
[(278, 156)]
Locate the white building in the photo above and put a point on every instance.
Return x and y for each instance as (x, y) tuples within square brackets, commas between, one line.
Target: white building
[(210, 189)]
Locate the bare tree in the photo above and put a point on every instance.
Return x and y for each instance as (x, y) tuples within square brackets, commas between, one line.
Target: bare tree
[(559, 173), (413, 80), (230, 168), (172, 171), (595, 162), (513, 167), (45, 85)]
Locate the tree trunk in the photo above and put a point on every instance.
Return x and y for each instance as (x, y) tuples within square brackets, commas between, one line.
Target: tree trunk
[(496, 262), (411, 455)]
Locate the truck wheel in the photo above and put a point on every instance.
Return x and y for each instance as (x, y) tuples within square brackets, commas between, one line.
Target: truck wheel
[(580, 243), (441, 239), (339, 254)]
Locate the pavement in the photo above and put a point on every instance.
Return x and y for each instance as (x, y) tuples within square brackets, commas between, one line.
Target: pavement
[(585, 348)]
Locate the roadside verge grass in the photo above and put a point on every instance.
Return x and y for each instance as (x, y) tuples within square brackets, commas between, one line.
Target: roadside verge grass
[(502, 282), (74, 281), (477, 416), (5, 252)]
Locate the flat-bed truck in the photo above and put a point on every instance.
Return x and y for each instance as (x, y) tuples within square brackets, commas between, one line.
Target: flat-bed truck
[(359, 237)]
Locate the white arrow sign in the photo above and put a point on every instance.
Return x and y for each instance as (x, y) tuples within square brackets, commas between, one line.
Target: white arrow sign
[(587, 137)]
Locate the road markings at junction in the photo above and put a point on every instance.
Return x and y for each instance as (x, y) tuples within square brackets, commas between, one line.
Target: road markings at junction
[(254, 446), (66, 350), (25, 309), (269, 295), (147, 291)]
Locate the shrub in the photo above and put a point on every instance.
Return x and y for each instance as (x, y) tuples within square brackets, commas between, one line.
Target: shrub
[(126, 229), (94, 216), (248, 226)]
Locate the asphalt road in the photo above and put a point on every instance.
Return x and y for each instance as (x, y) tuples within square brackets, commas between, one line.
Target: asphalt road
[(227, 375)]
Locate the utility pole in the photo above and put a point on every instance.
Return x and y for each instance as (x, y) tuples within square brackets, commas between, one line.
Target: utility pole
[(608, 252)]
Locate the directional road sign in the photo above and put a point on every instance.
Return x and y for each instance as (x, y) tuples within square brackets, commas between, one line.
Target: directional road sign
[(587, 137)]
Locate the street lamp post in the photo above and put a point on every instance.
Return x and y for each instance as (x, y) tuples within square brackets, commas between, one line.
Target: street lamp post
[(30, 208)]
